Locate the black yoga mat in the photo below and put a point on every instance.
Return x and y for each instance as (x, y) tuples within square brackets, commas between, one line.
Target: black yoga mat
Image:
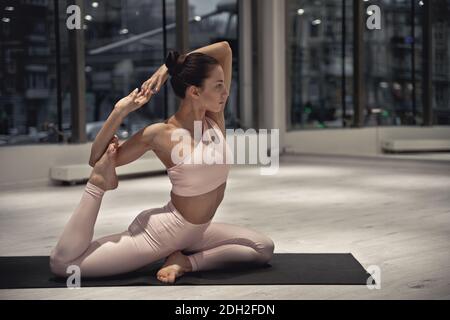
[(284, 268)]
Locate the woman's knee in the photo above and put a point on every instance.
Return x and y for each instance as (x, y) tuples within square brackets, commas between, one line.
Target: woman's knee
[(265, 247), (268, 249), (57, 265)]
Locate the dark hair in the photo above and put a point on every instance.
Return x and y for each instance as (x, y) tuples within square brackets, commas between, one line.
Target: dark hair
[(188, 70)]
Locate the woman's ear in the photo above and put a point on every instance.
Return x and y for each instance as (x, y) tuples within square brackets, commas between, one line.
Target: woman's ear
[(193, 92)]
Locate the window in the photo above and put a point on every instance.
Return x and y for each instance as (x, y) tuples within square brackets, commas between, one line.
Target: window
[(114, 69), (389, 78), (441, 58), (215, 21), (27, 98), (319, 77)]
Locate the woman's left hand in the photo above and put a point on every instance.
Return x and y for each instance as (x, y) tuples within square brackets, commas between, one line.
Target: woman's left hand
[(156, 81)]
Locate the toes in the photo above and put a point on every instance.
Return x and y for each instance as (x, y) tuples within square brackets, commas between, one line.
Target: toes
[(166, 277), (161, 272), (162, 279), (162, 275), (112, 149)]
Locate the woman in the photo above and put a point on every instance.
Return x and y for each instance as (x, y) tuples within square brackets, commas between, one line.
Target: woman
[(182, 230)]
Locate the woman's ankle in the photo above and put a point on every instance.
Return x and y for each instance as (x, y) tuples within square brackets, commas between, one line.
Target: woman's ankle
[(96, 183)]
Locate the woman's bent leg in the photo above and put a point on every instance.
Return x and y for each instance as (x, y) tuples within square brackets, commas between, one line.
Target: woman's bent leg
[(225, 245)]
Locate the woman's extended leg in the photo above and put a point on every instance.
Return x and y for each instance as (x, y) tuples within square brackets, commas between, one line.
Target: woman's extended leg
[(106, 256)]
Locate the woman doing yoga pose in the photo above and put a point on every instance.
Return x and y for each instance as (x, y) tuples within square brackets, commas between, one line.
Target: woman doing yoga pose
[(181, 231)]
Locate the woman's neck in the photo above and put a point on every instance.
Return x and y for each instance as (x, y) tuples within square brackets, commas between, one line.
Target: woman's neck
[(187, 114)]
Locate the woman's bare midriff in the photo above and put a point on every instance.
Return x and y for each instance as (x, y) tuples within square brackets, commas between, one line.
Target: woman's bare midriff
[(199, 209)]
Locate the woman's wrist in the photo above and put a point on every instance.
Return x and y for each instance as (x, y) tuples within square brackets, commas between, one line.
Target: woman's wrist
[(120, 111), (164, 69)]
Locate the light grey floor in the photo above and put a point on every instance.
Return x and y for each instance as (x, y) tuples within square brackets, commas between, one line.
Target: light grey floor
[(394, 214)]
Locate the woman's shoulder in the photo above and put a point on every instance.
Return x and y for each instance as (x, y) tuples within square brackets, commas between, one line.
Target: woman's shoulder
[(170, 125), (162, 132), (155, 133)]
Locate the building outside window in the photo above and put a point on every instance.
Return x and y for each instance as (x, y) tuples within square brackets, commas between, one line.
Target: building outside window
[(319, 58), (113, 69), (388, 66), (441, 59), (27, 72), (215, 21), (392, 70), (318, 75)]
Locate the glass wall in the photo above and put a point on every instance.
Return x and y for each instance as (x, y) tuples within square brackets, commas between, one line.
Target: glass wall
[(214, 21), (417, 48), (388, 65), (28, 82), (320, 63), (321, 97), (441, 61), (124, 46), (28, 77), (115, 67)]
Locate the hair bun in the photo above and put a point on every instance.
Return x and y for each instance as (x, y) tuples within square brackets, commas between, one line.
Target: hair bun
[(172, 61)]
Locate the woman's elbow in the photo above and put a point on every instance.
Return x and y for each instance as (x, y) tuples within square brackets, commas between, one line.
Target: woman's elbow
[(92, 161), (227, 47)]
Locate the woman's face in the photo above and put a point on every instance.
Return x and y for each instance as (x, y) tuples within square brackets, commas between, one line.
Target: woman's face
[(214, 94)]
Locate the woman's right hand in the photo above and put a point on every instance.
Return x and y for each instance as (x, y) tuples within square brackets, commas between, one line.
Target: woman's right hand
[(156, 81), (133, 101)]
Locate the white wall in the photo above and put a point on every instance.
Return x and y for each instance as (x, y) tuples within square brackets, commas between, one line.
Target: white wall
[(356, 141), (30, 165)]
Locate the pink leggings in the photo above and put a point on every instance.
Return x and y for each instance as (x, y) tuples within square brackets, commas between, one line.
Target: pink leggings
[(153, 235)]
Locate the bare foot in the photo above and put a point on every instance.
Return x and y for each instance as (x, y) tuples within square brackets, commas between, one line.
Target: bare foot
[(175, 266), (104, 173)]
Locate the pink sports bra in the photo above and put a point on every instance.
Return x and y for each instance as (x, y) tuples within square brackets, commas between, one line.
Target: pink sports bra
[(207, 170)]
